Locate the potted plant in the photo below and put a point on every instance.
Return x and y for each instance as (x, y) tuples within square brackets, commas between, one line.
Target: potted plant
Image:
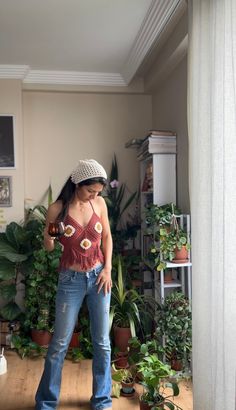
[(155, 375), (124, 381), (117, 204), (126, 307), (174, 324), (40, 294), (17, 245)]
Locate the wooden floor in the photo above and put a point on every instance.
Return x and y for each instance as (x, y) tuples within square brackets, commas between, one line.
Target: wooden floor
[(18, 385)]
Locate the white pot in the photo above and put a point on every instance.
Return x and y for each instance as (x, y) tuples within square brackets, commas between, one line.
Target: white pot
[(3, 363)]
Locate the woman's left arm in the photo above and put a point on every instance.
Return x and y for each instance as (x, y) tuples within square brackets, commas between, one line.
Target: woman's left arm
[(104, 280)]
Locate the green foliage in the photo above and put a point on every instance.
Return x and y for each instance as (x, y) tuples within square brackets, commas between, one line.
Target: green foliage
[(25, 347), (117, 204), (169, 241), (120, 376), (175, 324), (160, 215), (154, 373), (75, 354), (138, 350), (127, 304), (17, 245), (166, 234), (41, 287)]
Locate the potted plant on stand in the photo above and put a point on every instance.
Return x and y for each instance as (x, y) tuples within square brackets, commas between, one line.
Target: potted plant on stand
[(155, 375)]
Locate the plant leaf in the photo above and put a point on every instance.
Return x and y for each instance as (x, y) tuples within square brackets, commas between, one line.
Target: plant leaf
[(10, 311), (7, 269), (8, 291)]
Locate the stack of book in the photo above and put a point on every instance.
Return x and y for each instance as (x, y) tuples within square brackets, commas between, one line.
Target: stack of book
[(157, 141)]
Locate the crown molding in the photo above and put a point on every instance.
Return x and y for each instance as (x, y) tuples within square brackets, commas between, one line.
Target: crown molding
[(157, 18), (13, 71), (73, 78), (29, 76)]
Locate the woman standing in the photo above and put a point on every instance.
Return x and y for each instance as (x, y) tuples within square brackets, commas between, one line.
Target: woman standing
[(84, 272)]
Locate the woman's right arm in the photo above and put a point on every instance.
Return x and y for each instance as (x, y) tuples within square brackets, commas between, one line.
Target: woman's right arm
[(52, 214)]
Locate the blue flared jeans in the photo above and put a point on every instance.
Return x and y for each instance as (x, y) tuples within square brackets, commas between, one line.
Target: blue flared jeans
[(73, 287)]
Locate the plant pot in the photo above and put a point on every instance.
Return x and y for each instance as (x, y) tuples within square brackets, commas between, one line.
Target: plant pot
[(168, 278), (181, 256), (176, 365), (121, 337), (41, 337), (145, 406), (127, 389), (74, 342), (121, 360)]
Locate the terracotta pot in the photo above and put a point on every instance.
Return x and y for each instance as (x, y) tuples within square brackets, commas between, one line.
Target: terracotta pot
[(74, 340), (121, 360), (121, 337), (145, 406), (181, 255), (41, 337), (176, 365), (168, 276)]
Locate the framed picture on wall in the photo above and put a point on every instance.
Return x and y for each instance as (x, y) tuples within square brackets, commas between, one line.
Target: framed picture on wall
[(7, 149), (5, 191)]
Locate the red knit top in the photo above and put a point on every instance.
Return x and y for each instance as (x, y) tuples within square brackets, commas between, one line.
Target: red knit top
[(81, 245)]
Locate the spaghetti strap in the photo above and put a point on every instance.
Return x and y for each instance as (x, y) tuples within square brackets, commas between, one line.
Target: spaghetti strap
[(92, 206)]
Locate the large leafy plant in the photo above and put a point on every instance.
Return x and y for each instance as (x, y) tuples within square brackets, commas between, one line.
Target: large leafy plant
[(175, 325), (41, 286), (118, 202), (17, 245)]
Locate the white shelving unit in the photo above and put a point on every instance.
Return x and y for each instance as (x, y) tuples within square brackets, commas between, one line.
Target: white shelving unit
[(157, 156), (184, 270)]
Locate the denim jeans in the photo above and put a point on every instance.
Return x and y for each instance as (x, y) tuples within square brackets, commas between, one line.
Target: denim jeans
[(73, 287)]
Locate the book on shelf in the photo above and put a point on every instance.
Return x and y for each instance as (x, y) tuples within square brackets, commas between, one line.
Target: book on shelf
[(163, 133)]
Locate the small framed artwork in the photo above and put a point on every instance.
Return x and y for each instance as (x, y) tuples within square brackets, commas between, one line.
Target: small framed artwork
[(5, 191), (7, 149)]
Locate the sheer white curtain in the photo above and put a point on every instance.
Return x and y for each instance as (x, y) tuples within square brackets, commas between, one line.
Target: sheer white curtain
[(212, 162)]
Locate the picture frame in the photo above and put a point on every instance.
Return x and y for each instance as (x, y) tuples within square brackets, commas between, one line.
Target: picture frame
[(5, 191), (7, 142)]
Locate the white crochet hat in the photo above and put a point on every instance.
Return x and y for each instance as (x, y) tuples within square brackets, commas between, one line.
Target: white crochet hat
[(86, 169)]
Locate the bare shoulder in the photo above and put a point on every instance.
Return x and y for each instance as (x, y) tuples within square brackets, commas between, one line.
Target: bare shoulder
[(99, 204)]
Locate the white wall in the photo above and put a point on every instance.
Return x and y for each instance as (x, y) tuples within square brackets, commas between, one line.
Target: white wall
[(61, 127), (169, 111), (11, 103)]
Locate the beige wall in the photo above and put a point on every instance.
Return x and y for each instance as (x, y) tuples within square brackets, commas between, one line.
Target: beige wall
[(169, 111), (62, 127), (11, 103)]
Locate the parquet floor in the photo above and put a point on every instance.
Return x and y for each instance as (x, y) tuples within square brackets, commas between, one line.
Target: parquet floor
[(18, 386)]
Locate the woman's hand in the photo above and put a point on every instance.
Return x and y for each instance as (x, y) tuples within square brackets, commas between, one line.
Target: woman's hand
[(104, 281)]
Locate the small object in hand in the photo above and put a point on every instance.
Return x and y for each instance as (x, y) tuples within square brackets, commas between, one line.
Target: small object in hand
[(56, 229)]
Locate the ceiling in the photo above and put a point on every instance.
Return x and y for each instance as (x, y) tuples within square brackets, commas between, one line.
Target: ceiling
[(80, 41)]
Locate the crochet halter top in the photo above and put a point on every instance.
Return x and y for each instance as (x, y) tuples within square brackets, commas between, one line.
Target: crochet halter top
[(81, 245)]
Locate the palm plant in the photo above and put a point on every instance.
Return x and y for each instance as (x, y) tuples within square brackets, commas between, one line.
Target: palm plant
[(117, 205), (128, 306)]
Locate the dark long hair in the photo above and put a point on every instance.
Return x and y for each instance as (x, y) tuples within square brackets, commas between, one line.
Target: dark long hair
[(68, 190)]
